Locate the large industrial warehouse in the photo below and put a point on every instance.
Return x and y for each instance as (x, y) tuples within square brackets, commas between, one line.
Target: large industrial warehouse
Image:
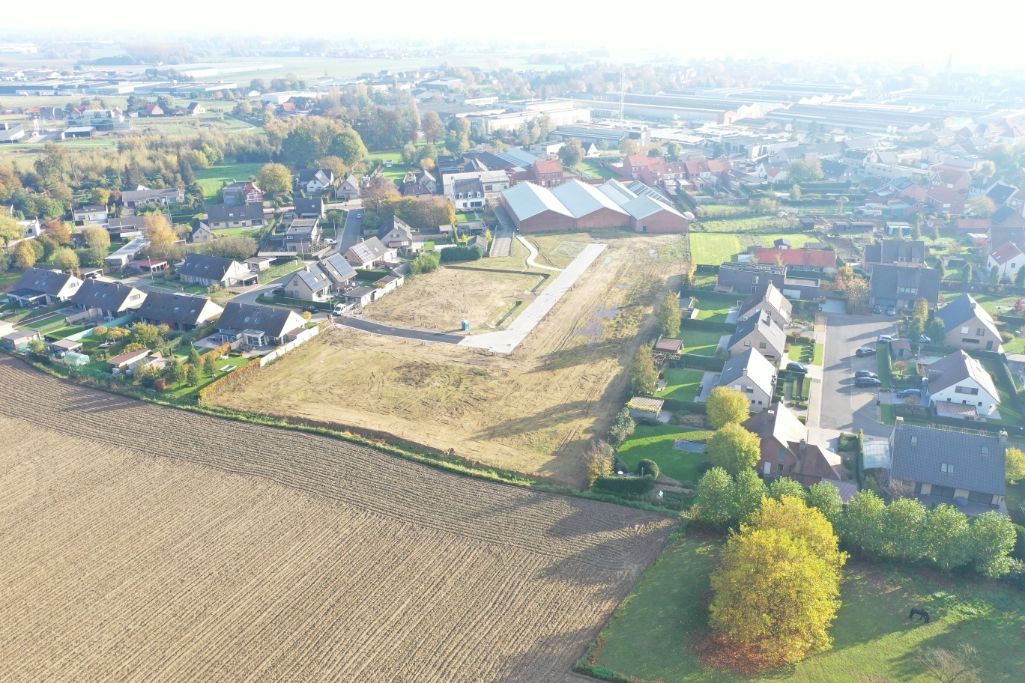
[(575, 205)]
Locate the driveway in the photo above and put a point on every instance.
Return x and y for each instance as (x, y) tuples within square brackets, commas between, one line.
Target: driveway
[(392, 331), (501, 245), (351, 230), (846, 407)]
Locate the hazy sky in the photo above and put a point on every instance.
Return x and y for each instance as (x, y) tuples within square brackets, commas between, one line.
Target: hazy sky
[(921, 31)]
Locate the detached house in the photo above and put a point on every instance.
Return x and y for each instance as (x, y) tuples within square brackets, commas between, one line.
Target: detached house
[(233, 215), (939, 466), (316, 182), (369, 253), (303, 235), (821, 260), (309, 208), (90, 213), (958, 386), (201, 269), (107, 300), (968, 326), (309, 283), (253, 326), (338, 271), (785, 451), (468, 194), (38, 287), (1008, 259), (752, 375), (399, 237), (178, 311), (771, 302), (143, 195), (348, 189), (238, 193), (761, 333), (417, 183)]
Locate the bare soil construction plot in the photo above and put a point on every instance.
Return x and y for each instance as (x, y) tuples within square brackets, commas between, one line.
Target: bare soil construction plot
[(441, 300), (534, 411), (143, 543)]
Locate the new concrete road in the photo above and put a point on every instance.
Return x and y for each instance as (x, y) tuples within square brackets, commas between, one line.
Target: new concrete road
[(501, 245), (391, 331), (846, 407), (351, 231)]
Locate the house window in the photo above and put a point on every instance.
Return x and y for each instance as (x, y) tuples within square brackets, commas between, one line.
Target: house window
[(978, 331), (761, 345), (964, 330), (946, 468), (971, 391), (782, 455)]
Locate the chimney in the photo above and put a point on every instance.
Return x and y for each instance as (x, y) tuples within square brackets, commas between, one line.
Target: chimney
[(802, 447)]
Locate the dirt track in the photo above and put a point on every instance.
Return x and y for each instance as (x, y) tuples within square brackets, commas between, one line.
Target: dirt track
[(534, 411), (150, 544)]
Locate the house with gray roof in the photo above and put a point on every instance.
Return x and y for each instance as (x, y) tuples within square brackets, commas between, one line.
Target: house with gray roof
[(309, 283), (759, 332), (968, 326), (895, 251), (253, 326), (940, 465), (958, 386), (902, 285), (369, 253), (769, 301), (309, 208), (303, 234), (206, 270), (143, 195), (339, 271), (785, 451), (398, 235), (348, 189), (752, 375), (245, 215), (107, 300), (38, 287), (178, 311)]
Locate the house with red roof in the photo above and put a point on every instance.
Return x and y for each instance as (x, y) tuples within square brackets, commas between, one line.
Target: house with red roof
[(821, 260), (546, 172)]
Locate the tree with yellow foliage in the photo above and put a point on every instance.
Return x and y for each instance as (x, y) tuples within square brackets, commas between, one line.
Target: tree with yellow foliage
[(777, 588)]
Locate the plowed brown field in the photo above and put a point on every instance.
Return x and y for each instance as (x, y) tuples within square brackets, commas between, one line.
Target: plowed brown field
[(143, 543), (534, 411)]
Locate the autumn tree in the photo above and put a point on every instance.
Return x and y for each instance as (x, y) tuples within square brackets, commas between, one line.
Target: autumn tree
[(24, 255), (725, 405), (746, 495), (66, 259), (806, 171), (160, 234), (11, 230), (786, 487), (1014, 464), (826, 499), (571, 153), (642, 371), (734, 448), (432, 127), (275, 179), (59, 231), (97, 244), (776, 590)]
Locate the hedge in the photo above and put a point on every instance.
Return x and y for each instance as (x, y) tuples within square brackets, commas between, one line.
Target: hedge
[(625, 486), (923, 415), (692, 360), (648, 468), (450, 254)]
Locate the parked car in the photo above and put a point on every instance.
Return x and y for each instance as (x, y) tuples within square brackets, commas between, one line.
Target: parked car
[(892, 310), (886, 338), (328, 240), (909, 393), (794, 366), (867, 382), (865, 373), (865, 351), (924, 339), (877, 309)]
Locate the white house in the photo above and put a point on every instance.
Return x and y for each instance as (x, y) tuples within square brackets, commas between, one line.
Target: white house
[(1008, 259), (752, 375), (959, 386)]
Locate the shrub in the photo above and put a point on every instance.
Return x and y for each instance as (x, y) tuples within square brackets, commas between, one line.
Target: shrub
[(648, 468), (622, 427), (599, 462), (425, 263)]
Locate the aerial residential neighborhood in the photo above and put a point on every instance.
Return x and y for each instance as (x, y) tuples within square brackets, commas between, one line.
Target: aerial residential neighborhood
[(362, 357)]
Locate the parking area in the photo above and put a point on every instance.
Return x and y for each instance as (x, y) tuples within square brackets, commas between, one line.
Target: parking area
[(846, 407)]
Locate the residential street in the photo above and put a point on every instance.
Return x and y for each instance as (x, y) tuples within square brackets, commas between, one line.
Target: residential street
[(351, 231), (845, 407)]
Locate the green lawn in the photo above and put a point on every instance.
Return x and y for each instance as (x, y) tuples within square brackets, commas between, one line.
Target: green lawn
[(48, 324), (713, 248), (656, 443), (700, 342), (276, 271), (177, 286), (993, 303), (593, 168), (211, 179), (1008, 413), (1016, 345), (715, 307), (8, 279), (681, 384), (651, 636), (819, 355)]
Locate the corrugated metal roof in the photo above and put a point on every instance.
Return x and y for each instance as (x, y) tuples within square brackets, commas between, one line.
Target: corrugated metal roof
[(582, 199), (527, 200), (617, 192), (641, 207)]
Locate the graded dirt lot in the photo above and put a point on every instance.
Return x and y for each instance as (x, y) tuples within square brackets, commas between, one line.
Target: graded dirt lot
[(143, 543), (534, 411), (441, 300)]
